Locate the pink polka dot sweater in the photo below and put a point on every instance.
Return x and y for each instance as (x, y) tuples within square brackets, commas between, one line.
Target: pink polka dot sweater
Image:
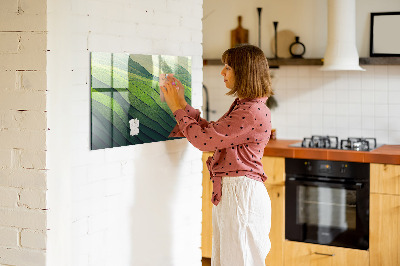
[(238, 139)]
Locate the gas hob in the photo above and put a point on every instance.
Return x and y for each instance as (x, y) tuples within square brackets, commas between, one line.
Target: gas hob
[(332, 142)]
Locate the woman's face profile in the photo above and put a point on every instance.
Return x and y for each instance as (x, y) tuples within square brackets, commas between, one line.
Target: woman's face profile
[(229, 76)]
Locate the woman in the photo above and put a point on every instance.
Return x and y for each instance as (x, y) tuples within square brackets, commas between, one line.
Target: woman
[(242, 208)]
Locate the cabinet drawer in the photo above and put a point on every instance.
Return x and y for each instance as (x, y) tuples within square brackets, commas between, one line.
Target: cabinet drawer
[(304, 254)]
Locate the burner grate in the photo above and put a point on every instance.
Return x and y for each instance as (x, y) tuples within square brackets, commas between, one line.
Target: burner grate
[(327, 142), (358, 144)]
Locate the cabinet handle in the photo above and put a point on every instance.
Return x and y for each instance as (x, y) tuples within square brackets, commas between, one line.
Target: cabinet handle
[(324, 254)]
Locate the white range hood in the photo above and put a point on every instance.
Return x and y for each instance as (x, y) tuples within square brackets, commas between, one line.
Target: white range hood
[(341, 51)]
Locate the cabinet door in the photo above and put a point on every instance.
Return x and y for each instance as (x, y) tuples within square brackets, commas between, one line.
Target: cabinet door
[(274, 168), (206, 226), (384, 230), (277, 233), (385, 178), (304, 254)]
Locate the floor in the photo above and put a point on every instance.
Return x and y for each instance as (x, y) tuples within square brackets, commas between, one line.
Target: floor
[(206, 261)]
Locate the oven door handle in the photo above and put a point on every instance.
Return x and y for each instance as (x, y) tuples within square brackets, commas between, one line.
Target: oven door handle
[(357, 185)]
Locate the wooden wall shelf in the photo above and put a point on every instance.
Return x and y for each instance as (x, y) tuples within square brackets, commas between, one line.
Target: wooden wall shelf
[(380, 61), (295, 62), (273, 63)]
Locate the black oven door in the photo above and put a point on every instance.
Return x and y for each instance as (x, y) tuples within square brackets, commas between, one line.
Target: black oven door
[(327, 212)]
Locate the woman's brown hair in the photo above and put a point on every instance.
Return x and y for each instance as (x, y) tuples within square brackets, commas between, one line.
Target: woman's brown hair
[(250, 66)]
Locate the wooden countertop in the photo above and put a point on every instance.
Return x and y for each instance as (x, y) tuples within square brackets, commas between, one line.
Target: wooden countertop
[(389, 154)]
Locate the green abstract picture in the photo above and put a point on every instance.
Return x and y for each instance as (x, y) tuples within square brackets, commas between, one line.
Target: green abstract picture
[(126, 106)]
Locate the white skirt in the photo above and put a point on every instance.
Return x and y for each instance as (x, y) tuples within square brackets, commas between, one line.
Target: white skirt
[(241, 223)]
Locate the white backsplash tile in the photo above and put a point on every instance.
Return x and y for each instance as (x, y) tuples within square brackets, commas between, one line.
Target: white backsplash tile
[(342, 109), (394, 97), (342, 133), (342, 122), (329, 93), (381, 83), (354, 80), (367, 110), (381, 110), (367, 133), (292, 82), (355, 96), (304, 72), (291, 71), (381, 97), (329, 109), (342, 96), (381, 122), (394, 83), (382, 136), (304, 82), (342, 81), (355, 109), (343, 103), (394, 123), (394, 110), (380, 71), (367, 96), (355, 122), (355, 132), (394, 137), (368, 123)]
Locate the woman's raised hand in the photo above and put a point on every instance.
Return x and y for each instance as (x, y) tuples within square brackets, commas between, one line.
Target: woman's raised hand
[(181, 91), (174, 93)]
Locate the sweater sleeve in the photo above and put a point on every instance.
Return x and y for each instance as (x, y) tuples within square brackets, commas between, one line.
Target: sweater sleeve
[(232, 130), (193, 113)]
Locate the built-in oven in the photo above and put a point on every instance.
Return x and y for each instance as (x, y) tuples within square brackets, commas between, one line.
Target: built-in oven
[(327, 202)]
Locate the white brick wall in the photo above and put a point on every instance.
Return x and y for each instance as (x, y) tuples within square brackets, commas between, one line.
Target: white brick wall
[(135, 205), (33, 239), (23, 132)]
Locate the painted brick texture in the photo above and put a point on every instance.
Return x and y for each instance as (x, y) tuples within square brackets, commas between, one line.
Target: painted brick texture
[(23, 132), (135, 205), (93, 198)]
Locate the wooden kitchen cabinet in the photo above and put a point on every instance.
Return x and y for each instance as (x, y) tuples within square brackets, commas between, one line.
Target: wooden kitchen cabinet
[(277, 233), (385, 178), (385, 215), (305, 254), (274, 168), (206, 225), (384, 236)]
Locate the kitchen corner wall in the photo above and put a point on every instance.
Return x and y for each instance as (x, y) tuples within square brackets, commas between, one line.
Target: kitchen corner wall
[(133, 205), (311, 102)]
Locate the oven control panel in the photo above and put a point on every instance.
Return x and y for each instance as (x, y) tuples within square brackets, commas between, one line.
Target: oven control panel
[(337, 169)]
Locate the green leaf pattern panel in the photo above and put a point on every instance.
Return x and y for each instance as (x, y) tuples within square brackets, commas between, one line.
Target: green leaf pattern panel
[(125, 90)]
